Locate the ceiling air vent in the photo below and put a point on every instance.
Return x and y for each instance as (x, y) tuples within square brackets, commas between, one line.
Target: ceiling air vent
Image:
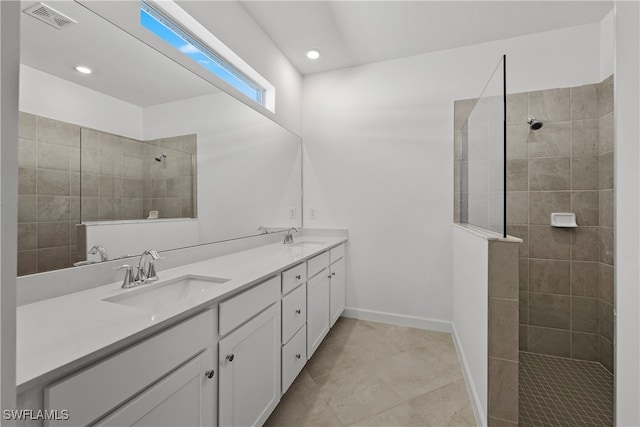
[(50, 16)]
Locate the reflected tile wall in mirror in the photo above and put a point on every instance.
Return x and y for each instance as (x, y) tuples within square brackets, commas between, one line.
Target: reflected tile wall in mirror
[(48, 193), (69, 174), (122, 180)]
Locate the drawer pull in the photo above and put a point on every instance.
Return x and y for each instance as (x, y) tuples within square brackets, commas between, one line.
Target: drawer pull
[(298, 356), (209, 374), (298, 311), (333, 274), (298, 277), (230, 357)]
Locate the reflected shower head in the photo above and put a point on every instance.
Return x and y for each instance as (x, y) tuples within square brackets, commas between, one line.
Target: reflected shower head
[(159, 158), (533, 123)]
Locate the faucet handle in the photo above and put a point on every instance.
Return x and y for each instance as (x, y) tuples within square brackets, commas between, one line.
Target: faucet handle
[(128, 280), (152, 275)]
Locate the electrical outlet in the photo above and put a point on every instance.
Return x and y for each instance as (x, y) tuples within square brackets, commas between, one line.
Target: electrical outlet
[(292, 213), (312, 213)]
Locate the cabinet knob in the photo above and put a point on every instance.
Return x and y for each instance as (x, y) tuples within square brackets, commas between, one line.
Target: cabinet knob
[(230, 357), (209, 374), (333, 274), (298, 356), (329, 276), (298, 277), (298, 311)]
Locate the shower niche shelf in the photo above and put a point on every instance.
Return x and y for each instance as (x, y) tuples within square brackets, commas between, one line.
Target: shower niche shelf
[(563, 220)]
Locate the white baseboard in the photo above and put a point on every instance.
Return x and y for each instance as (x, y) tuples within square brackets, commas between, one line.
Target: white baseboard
[(481, 419), (399, 319)]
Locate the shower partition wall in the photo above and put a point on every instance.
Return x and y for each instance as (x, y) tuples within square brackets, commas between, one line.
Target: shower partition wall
[(482, 158)]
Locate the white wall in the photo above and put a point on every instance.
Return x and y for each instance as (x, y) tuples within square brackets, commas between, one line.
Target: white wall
[(248, 167), (627, 184), (470, 318), (607, 45), (56, 98), (379, 157)]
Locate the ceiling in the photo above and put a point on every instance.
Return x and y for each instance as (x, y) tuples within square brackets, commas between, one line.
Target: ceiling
[(124, 67), (349, 33), (346, 32)]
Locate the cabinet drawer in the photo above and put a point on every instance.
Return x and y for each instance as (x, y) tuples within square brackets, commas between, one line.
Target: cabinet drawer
[(293, 277), (294, 357), (317, 264), (336, 253), (98, 389), (294, 312), (237, 310)]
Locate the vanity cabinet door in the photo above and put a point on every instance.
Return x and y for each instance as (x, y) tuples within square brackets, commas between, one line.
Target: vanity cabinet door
[(250, 370), (317, 310), (338, 289), (186, 397)]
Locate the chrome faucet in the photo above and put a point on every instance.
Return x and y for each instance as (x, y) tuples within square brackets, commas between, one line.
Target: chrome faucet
[(128, 281), (150, 274), (101, 250), (141, 276), (288, 237)]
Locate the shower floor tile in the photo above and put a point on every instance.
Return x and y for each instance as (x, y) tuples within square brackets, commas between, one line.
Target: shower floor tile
[(555, 391)]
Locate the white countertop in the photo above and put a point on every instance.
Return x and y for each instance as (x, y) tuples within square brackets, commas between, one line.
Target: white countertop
[(60, 335)]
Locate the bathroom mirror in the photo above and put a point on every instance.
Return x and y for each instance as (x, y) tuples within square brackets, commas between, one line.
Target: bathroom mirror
[(102, 152)]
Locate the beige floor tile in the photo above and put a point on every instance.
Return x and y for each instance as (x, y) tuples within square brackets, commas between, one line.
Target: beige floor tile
[(303, 405), (402, 415), (345, 328), (357, 393), (416, 372), (374, 374), (332, 357), (404, 339), (446, 406)]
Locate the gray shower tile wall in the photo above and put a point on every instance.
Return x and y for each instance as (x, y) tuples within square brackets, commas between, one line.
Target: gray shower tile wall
[(59, 162), (48, 193), (566, 275), (502, 378)]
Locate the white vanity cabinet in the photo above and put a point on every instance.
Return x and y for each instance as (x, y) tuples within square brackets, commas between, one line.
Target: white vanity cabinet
[(185, 397), (326, 294), (318, 321), (338, 291), (169, 376), (249, 355), (294, 323)]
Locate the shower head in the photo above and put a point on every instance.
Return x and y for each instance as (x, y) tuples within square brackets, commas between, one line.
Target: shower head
[(533, 123), (159, 158)]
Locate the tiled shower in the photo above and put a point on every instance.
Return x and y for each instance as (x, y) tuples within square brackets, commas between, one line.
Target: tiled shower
[(68, 174), (566, 275)]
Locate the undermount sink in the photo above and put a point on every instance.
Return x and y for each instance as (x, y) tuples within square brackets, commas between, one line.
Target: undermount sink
[(305, 244), (160, 295)]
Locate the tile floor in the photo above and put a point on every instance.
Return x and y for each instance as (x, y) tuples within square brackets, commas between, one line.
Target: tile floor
[(374, 374), (556, 391)]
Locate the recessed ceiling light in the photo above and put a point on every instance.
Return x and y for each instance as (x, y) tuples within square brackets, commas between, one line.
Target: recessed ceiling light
[(313, 54), (83, 69)]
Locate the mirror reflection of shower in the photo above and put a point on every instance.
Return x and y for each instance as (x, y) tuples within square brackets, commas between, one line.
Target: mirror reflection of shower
[(162, 160), (533, 124)]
